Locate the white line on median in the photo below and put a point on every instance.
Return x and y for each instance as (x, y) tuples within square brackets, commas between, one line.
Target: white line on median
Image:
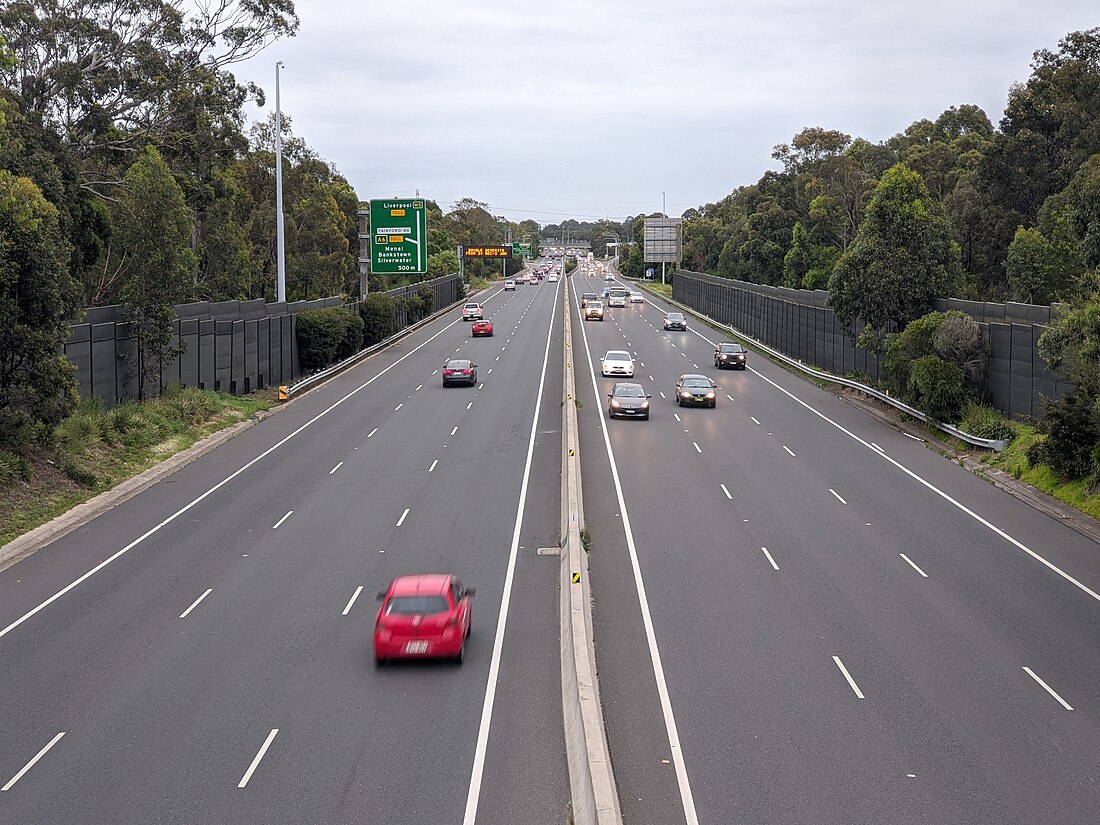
[(877, 447), (30, 764), (838, 498), (691, 817), (788, 449), (195, 604), (770, 559), (259, 756), (402, 519), (1048, 688), (478, 770), (907, 435), (351, 601), (848, 676), (913, 565), (727, 492), (275, 526), (337, 467)]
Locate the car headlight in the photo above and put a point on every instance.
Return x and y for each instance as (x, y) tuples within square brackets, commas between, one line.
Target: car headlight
[(685, 394), (740, 357), (724, 356), (710, 395), (645, 405), (614, 403)]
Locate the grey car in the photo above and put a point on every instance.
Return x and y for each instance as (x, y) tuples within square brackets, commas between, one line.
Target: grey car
[(676, 320), (628, 400), (696, 390), (459, 371)]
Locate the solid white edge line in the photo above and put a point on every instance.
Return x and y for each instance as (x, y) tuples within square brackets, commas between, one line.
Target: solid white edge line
[(913, 565), (1047, 688), (727, 492), (770, 559), (838, 498), (195, 604), (400, 520), (31, 764), (430, 469), (259, 756), (690, 814), (337, 467), (351, 601), (478, 769), (848, 676), (274, 526), (156, 528)]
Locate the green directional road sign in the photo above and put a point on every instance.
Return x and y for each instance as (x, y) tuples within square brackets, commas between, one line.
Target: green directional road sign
[(399, 236), (522, 249)]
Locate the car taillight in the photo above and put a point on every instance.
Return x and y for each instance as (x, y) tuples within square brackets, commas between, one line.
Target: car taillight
[(446, 372), (467, 372)]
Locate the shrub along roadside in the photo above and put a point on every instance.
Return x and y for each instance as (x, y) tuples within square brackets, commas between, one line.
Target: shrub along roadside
[(94, 449), (326, 336)]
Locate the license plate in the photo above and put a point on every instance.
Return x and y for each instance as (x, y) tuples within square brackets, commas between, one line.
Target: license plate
[(416, 647)]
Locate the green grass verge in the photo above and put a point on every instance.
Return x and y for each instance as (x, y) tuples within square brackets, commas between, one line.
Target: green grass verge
[(95, 449), (1082, 493)]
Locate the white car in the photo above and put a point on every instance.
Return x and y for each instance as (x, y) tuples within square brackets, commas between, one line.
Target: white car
[(617, 362), (637, 298), (609, 277), (552, 278), (509, 284), (472, 311)]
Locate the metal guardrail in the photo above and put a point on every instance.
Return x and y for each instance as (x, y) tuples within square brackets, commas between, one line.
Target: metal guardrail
[(995, 444)]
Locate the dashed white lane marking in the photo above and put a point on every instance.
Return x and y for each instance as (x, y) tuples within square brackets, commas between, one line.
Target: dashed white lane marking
[(730, 397), (727, 492), (31, 764), (372, 432), (641, 362), (771, 561), (651, 378), (418, 388), (351, 601), (663, 396), (482, 386), (848, 676), (696, 366), (1048, 688), (913, 565), (432, 468), (434, 372), (469, 405), (255, 762), (754, 421), (455, 430), (195, 603), (401, 520), (788, 449), (490, 370), (337, 467), (275, 526), (838, 498), (695, 444), (399, 406)]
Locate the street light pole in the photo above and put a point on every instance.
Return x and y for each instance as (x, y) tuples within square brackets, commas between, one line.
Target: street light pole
[(279, 233)]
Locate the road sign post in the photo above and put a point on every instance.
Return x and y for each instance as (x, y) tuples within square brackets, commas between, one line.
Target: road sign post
[(398, 236)]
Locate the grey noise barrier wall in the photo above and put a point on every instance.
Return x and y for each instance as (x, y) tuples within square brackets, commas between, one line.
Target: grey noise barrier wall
[(798, 323), (229, 346)]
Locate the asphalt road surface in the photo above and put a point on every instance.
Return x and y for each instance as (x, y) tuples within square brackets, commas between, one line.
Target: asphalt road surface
[(803, 616), (218, 666)]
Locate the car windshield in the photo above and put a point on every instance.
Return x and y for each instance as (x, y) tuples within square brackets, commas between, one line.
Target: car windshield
[(617, 355), (731, 348), (458, 365), (629, 391), (675, 316), (416, 605), (697, 382)]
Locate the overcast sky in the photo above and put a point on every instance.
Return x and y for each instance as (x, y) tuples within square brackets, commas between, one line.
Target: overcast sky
[(592, 109)]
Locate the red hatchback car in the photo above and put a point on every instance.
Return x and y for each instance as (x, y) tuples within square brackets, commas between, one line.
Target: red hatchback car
[(423, 617), (482, 328)]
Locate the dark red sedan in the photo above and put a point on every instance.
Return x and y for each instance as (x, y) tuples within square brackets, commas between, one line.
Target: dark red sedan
[(482, 328), (423, 617)]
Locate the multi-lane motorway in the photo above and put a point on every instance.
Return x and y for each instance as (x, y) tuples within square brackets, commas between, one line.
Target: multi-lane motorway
[(220, 668), (801, 615)]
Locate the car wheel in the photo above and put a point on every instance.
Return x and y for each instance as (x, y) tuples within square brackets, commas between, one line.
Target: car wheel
[(679, 403), (379, 661), (461, 657), (646, 417), (714, 404)]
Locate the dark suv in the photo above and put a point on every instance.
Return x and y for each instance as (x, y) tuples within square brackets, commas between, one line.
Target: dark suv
[(730, 354)]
